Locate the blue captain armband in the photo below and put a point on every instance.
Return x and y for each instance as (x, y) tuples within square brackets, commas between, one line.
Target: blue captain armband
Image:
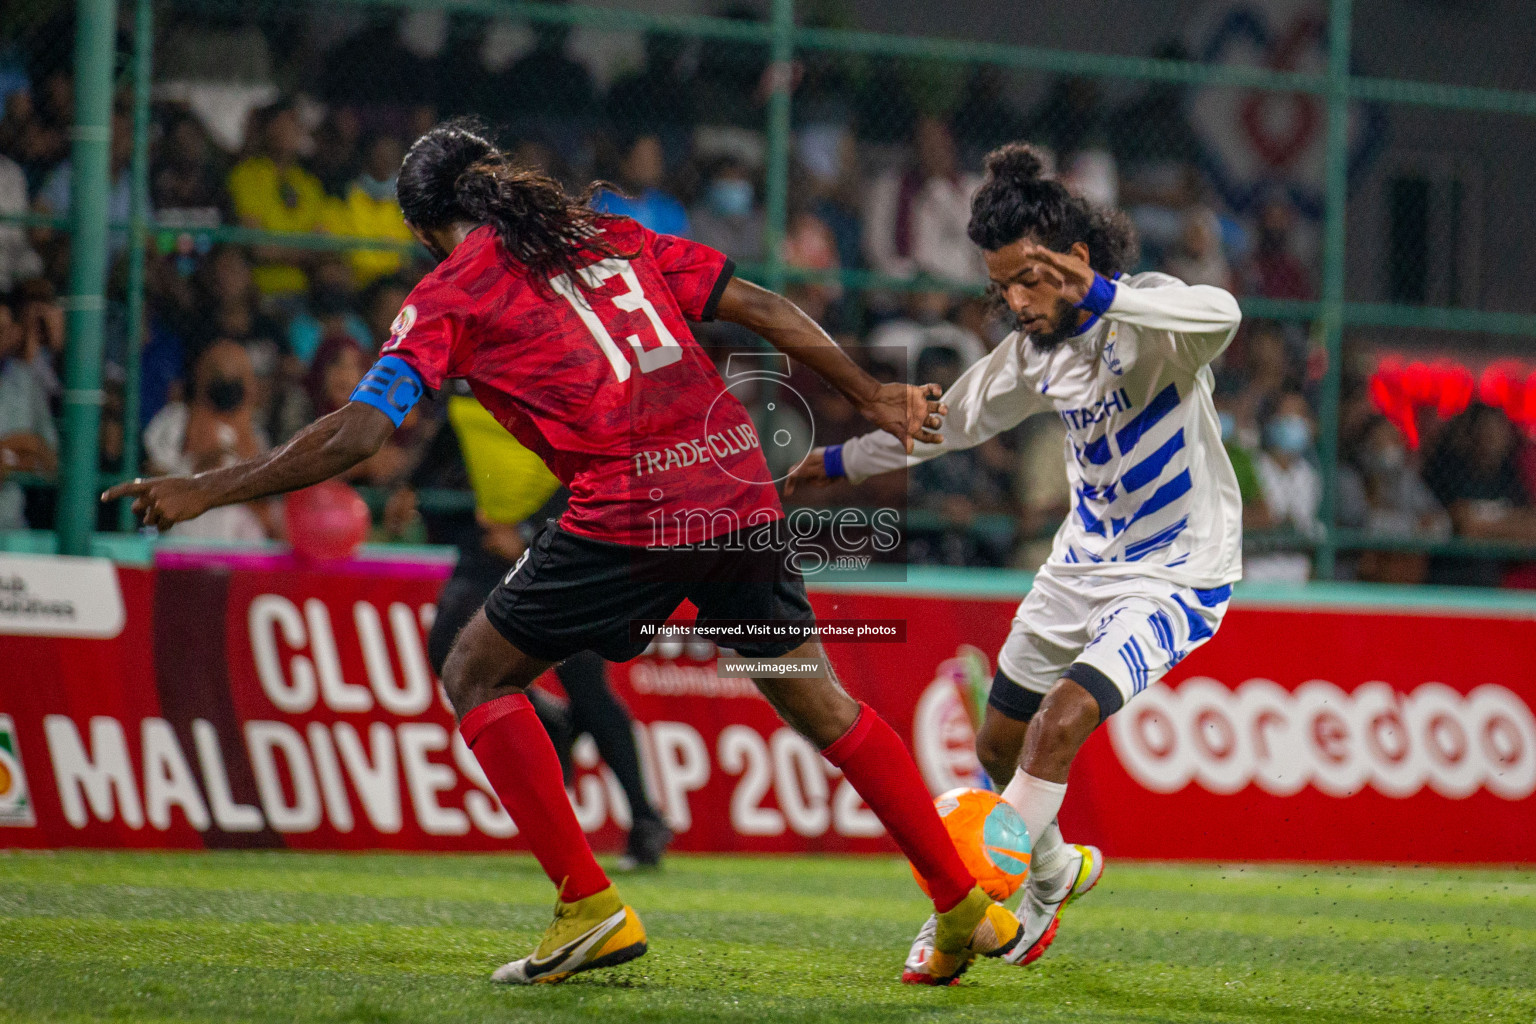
[(391, 387), (832, 461)]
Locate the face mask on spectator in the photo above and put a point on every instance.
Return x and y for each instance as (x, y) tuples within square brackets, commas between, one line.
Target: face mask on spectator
[(226, 394), (378, 191), (1228, 425), (730, 197), (1385, 461), (1288, 434)]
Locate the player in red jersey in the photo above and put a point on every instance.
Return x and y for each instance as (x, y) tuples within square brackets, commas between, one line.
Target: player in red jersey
[(572, 328)]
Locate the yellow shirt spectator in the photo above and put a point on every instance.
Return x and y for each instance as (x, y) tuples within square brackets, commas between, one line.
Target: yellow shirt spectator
[(362, 215), (275, 198)]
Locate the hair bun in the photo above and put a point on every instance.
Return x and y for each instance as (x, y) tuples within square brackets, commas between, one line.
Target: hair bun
[(1017, 161)]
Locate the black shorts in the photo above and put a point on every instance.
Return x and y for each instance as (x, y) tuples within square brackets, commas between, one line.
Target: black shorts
[(570, 593)]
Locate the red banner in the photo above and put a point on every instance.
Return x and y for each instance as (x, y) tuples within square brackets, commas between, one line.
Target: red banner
[(204, 707)]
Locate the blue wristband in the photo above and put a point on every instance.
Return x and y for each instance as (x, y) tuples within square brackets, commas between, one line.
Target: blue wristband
[(1100, 295), (832, 460), (392, 387)]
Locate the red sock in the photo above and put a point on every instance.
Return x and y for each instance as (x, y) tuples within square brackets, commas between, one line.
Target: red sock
[(519, 760), (876, 763)]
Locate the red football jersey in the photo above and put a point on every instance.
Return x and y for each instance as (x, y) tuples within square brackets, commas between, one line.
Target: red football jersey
[(603, 380)]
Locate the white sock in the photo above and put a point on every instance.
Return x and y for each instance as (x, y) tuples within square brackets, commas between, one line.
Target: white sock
[(1049, 859), (1036, 800)]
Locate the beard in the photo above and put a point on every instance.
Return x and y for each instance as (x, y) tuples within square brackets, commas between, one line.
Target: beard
[(1062, 328)]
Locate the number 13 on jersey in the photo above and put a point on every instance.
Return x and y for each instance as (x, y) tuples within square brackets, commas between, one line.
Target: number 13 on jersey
[(665, 353)]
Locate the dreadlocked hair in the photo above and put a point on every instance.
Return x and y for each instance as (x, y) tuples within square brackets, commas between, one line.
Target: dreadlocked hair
[(453, 173), (1016, 201)]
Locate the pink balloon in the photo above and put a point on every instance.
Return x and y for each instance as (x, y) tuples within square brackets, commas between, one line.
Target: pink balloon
[(326, 522)]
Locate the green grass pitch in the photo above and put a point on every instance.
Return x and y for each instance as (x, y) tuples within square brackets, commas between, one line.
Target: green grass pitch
[(380, 938)]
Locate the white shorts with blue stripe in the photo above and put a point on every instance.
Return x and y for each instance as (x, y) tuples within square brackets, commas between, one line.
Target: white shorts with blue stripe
[(1131, 629)]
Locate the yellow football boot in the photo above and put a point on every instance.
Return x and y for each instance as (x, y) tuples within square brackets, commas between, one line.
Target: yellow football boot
[(978, 924), (599, 931)]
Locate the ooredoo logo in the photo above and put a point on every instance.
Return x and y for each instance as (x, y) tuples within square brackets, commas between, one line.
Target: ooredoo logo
[(15, 803), (1282, 741)]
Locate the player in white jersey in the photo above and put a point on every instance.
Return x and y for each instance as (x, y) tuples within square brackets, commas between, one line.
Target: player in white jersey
[(1142, 568)]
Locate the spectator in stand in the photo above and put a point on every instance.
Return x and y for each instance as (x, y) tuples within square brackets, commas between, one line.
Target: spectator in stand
[(1473, 471), (642, 172), (369, 209), (338, 157), (923, 327), (1091, 173), (328, 312), (1198, 258), (18, 261), (1381, 492), (40, 316), (810, 245), (381, 304), (1041, 488), (916, 220), (727, 216), (271, 191), (28, 439), (35, 129), (830, 160), (54, 196), (1274, 271), (1255, 511), (229, 308), (336, 370), (215, 429), (978, 482), (184, 174), (162, 367), (1268, 371), (1292, 489)]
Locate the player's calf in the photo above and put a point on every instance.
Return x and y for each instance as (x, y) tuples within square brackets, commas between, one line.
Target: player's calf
[(880, 769), (818, 707)]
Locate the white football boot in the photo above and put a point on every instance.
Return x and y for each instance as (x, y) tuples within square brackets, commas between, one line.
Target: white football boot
[(1040, 913)]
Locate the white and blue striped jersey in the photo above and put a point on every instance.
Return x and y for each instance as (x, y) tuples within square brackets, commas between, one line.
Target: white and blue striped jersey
[(1153, 492)]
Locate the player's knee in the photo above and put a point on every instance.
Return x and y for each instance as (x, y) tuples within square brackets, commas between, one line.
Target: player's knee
[(471, 677), (997, 749), (999, 755), (456, 677), (1067, 718)]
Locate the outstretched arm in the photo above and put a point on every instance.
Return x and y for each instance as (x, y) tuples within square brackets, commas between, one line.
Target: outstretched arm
[(331, 445), (990, 397), (903, 411)]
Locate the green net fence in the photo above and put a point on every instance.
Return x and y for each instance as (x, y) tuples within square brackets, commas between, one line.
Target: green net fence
[(1354, 176)]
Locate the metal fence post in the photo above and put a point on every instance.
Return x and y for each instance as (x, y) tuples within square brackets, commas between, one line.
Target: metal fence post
[(776, 200), (138, 238), (1332, 309), (90, 186)]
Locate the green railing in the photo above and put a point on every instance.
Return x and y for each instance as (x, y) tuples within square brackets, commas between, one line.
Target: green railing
[(783, 40)]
